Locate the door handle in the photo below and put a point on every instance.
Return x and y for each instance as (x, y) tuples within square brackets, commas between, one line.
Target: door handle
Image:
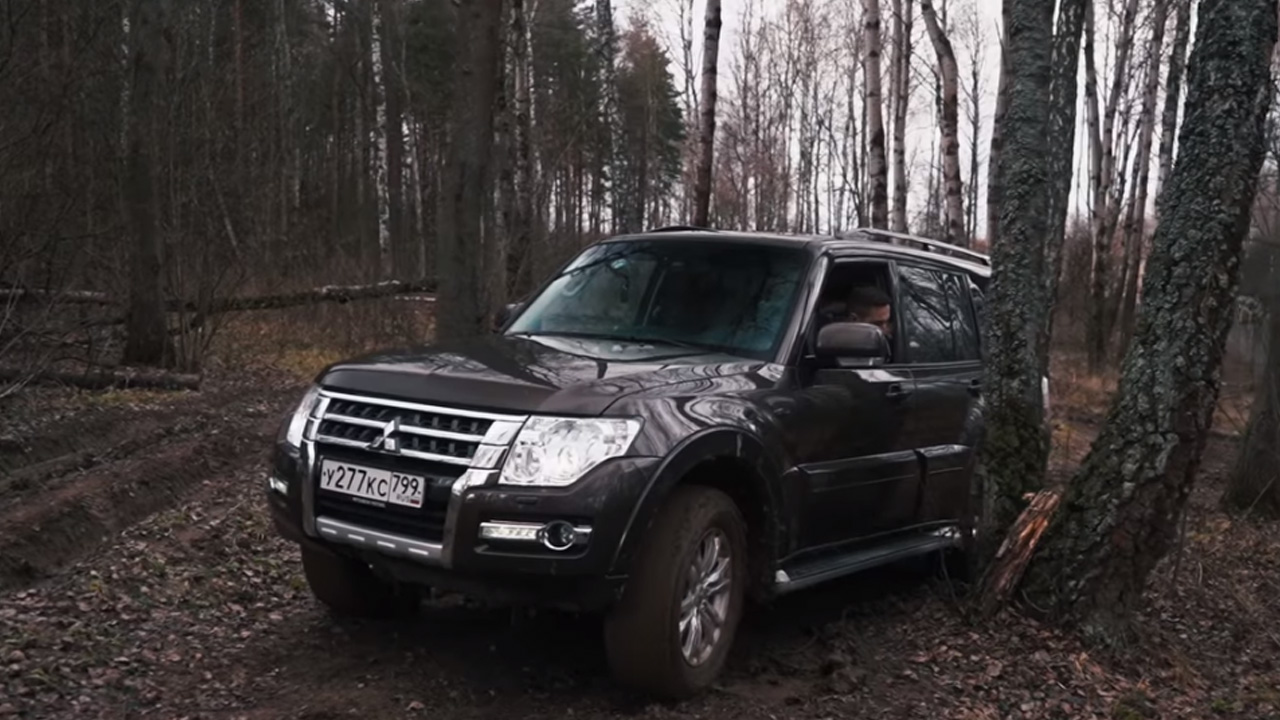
[(897, 391), (975, 387)]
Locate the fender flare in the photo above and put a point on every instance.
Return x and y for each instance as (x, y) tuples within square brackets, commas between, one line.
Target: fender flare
[(709, 444)]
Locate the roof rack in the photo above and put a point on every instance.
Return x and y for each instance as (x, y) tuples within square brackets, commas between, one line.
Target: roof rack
[(682, 228), (924, 243)]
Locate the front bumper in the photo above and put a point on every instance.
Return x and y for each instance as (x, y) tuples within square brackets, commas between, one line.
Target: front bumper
[(485, 547)]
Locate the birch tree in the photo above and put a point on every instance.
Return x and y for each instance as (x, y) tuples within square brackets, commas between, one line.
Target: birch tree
[(1136, 215), (707, 130), (877, 169), (1063, 88), (381, 190), (1173, 95), (949, 127), (901, 105), (1015, 448), (1106, 199), (1120, 512)]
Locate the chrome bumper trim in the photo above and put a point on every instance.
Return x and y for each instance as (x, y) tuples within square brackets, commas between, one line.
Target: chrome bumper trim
[(386, 543)]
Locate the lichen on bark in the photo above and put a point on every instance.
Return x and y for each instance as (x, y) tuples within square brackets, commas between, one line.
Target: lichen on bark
[(1120, 512), (1015, 447)]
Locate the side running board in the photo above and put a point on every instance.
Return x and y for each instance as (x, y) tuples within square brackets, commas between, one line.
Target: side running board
[(814, 572)]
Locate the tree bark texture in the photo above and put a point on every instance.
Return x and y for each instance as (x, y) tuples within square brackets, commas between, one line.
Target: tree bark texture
[(461, 307), (1120, 512), (1254, 487), (1063, 87), (877, 164), (146, 342), (1016, 445), (707, 137), (949, 127)]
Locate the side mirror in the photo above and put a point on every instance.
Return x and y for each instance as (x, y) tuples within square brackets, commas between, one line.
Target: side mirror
[(506, 313), (842, 343)]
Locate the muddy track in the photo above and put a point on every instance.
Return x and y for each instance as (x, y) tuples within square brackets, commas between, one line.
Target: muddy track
[(60, 507)]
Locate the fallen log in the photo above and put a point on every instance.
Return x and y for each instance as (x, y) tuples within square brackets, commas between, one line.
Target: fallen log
[(105, 379), (63, 297), (1011, 560), (327, 293)]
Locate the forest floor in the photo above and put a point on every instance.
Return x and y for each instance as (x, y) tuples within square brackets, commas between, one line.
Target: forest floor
[(140, 577)]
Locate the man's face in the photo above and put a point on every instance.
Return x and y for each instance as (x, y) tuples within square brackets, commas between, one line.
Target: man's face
[(881, 316)]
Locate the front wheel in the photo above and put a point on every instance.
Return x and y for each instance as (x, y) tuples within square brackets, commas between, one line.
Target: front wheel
[(671, 632)]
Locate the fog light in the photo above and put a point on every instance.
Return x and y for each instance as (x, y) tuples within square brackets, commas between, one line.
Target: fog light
[(278, 485), (560, 536)]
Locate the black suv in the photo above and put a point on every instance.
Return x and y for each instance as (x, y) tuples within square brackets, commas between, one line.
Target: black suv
[(676, 422)]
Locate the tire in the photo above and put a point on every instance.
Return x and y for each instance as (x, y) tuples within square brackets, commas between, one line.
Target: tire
[(350, 589), (643, 632)]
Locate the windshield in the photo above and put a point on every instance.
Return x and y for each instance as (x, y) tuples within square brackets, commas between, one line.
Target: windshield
[(725, 297)]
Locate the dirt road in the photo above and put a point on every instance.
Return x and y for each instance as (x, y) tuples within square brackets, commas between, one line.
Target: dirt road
[(144, 580)]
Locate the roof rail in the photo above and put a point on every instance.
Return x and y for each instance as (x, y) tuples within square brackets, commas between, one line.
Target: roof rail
[(925, 243), (682, 228)]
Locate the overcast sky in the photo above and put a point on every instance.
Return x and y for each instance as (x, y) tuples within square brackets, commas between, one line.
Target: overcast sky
[(922, 129)]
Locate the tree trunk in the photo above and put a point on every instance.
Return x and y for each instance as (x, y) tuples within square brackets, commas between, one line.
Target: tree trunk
[(995, 184), (1121, 510), (1106, 209), (1016, 445), (461, 309), (949, 127), (901, 104), (146, 342), (1135, 230), (1061, 145), (518, 262), (1254, 486), (707, 132), (380, 130), (877, 169), (1173, 96), (393, 85)]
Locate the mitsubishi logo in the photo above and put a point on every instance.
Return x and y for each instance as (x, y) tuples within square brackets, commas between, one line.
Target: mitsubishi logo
[(386, 442)]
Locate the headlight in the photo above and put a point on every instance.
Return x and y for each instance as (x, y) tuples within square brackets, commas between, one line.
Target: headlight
[(555, 452), (298, 422)]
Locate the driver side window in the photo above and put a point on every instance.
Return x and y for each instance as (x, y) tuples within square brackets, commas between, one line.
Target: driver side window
[(842, 280)]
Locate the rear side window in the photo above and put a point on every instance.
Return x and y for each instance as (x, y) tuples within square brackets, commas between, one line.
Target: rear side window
[(937, 319)]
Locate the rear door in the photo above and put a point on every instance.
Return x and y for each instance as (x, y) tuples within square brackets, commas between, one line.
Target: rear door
[(940, 347)]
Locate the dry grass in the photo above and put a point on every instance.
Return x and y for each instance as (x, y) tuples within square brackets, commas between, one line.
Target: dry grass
[(302, 341)]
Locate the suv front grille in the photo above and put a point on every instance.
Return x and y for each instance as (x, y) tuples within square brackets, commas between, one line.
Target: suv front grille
[(439, 444), (418, 431)]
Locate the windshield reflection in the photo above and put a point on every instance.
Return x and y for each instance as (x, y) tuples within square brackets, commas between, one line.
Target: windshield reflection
[(695, 295)]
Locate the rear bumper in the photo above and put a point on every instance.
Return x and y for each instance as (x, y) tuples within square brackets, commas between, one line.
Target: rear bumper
[(582, 576)]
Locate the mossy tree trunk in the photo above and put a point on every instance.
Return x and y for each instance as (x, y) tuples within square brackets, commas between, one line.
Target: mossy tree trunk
[(1119, 514), (1016, 447)]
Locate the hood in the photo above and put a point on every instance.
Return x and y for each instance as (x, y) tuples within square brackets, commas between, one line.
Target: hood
[(520, 374)]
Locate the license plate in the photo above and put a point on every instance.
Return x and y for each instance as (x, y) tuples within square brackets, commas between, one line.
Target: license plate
[(385, 486)]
